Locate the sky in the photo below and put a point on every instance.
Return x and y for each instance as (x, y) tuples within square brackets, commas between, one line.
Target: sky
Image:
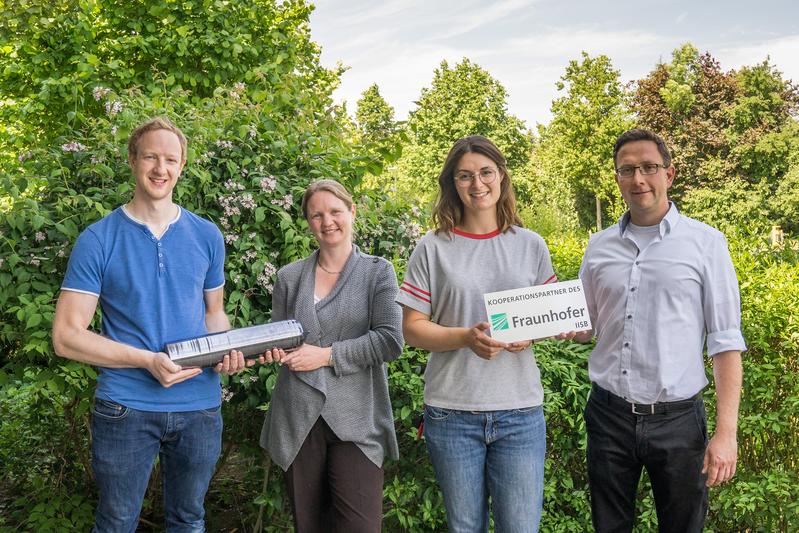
[(527, 44)]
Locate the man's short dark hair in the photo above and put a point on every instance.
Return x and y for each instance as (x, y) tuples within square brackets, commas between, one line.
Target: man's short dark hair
[(640, 134)]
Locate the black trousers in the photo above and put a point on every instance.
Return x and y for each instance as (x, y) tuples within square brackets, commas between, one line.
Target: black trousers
[(670, 444), (333, 486)]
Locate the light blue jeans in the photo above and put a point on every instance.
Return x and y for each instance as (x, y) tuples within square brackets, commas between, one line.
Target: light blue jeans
[(479, 455), (125, 443)]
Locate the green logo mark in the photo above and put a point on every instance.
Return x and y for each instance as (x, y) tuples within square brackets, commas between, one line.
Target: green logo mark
[(499, 321)]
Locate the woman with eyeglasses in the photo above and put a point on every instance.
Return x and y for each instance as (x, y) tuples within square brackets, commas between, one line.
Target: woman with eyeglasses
[(483, 419)]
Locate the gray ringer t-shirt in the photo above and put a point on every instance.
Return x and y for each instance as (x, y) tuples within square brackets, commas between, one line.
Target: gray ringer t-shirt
[(446, 278)]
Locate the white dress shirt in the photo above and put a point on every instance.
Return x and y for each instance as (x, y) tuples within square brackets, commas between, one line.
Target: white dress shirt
[(654, 308)]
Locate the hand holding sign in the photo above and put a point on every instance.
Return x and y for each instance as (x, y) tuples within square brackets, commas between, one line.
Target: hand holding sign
[(481, 344), (537, 312), (579, 336)]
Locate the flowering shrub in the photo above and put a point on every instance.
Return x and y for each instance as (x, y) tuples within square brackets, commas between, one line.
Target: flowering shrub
[(251, 155)]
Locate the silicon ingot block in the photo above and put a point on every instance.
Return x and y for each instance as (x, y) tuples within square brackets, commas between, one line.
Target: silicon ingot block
[(252, 341)]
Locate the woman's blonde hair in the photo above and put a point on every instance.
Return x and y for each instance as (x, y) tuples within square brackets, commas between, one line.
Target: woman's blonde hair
[(332, 186)]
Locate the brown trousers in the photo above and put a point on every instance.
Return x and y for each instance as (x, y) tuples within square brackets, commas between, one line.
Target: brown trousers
[(333, 487)]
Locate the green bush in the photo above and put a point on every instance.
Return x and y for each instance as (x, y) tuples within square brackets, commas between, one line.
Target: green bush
[(261, 125), (251, 154)]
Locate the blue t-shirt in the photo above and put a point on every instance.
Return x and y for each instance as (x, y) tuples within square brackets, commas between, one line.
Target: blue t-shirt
[(151, 292)]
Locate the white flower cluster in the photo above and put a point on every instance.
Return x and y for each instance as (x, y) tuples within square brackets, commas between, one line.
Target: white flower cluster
[(238, 90), (206, 157), (285, 202), (246, 201), (230, 238), (233, 186), (113, 108), (100, 92), (233, 204), (413, 231), (224, 144), (227, 394), (268, 183), (39, 236), (265, 278), (24, 156), (73, 146)]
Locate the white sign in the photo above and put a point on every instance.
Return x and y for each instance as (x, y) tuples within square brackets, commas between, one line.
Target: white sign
[(537, 312)]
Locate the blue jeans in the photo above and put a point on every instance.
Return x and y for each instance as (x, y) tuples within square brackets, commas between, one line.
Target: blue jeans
[(482, 454), (125, 443)]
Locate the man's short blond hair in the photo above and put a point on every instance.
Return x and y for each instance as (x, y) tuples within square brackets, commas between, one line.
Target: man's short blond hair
[(157, 123)]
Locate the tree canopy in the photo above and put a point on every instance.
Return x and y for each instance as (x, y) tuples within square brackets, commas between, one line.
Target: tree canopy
[(461, 100)]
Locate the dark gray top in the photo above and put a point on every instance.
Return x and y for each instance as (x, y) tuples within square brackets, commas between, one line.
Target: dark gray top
[(363, 324)]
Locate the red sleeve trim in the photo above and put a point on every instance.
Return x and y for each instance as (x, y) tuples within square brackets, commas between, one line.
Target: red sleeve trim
[(415, 295), (417, 289), (553, 277)]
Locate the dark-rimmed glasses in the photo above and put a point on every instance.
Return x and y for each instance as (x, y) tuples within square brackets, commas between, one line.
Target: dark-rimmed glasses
[(646, 169)]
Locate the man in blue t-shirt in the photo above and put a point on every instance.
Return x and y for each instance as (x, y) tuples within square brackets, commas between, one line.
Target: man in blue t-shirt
[(157, 272)]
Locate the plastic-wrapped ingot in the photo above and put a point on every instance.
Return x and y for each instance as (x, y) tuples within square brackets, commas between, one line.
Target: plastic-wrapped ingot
[(252, 341)]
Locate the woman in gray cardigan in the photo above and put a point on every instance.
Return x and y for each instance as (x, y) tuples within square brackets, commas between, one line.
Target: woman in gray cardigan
[(330, 424)]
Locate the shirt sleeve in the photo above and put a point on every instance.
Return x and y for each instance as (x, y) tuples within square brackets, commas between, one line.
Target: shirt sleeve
[(85, 266), (215, 277), (383, 342), (721, 301), (414, 291), (588, 289)]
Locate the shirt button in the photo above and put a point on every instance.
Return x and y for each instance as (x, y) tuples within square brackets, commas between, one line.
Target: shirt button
[(624, 372), (632, 289), (161, 265), (626, 344), (160, 255), (159, 244), (629, 316), (638, 262)]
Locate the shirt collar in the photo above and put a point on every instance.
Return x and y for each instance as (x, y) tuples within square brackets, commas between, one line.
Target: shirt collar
[(666, 225)]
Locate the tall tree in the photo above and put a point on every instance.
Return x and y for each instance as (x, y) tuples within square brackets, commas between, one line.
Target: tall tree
[(578, 143), (378, 131), (462, 100), (733, 135), (375, 116), (686, 101), (52, 54)]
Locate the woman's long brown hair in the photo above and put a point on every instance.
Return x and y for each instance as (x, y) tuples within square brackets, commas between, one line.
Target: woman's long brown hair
[(448, 211)]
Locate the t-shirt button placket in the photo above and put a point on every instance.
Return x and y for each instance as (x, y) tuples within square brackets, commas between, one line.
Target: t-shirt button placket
[(161, 267)]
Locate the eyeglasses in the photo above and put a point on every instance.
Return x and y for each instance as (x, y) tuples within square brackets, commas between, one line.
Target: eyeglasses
[(486, 175), (646, 169)]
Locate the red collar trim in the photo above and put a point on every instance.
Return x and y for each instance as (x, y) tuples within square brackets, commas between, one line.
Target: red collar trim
[(462, 233)]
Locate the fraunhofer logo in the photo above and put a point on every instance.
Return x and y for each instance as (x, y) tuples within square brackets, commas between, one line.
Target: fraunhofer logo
[(499, 321)]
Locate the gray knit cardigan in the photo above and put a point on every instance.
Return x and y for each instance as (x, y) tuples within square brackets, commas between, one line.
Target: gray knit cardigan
[(363, 324)]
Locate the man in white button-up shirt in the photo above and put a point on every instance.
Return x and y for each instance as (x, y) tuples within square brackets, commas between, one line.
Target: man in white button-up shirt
[(659, 286)]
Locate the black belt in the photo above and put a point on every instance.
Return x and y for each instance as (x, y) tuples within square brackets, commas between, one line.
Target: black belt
[(601, 395)]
